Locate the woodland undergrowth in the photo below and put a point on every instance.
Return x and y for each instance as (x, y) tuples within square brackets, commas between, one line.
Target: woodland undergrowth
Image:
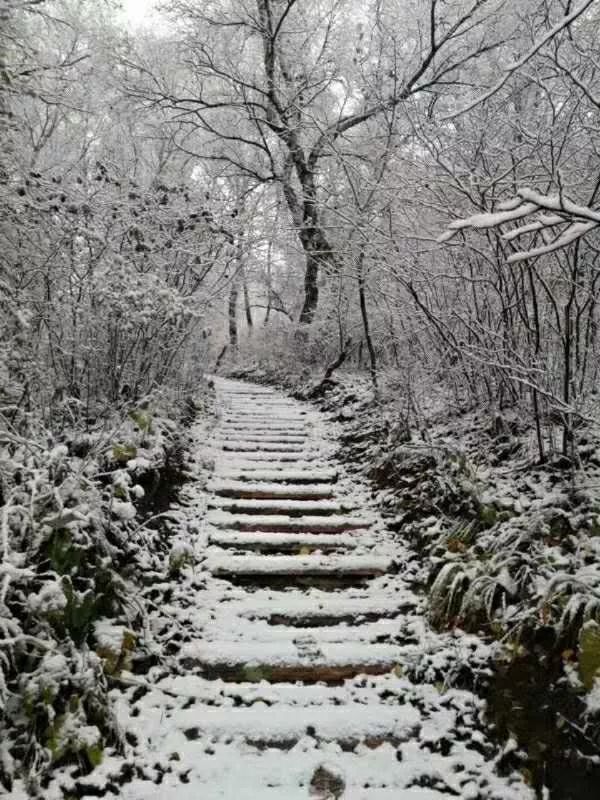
[(83, 543)]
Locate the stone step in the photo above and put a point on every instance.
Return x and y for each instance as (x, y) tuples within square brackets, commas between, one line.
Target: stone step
[(280, 661), (272, 421), (270, 491), (295, 436), (390, 631), (306, 611), (347, 725), (238, 435), (289, 475), (291, 508), (254, 415), (238, 446), (264, 460), (334, 523), (263, 409), (283, 694), (282, 542), (305, 566)]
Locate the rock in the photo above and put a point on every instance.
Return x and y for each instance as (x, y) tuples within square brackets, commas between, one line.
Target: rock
[(327, 783)]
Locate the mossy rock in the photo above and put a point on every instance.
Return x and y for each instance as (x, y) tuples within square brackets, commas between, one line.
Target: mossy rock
[(589, 653)]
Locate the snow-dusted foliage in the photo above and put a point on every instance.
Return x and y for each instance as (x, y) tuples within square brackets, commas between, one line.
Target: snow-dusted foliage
[(81, 549), (103, 338)]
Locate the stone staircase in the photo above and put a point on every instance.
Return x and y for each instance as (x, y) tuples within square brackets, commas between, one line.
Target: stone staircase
[(296, 564), (291, 634)]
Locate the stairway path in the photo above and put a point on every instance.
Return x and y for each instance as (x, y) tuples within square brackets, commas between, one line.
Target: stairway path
[(299, 625)]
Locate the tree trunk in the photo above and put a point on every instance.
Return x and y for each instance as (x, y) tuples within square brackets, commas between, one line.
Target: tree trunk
[(365, 319), (233, 329), (247, 307), (311, 289)]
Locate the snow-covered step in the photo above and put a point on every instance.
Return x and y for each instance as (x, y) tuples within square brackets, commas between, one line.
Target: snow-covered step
[(288, 507), (304, 566), (263, 416), (289, 695), (226, 435), (269, 460), (289, 425), (334, 523), (238, 446), (377, 632), (274, 424), (264, 420), (286, 661), (264, 409), (282, 541), (304, 477), (246, 390), (297, 426), (306, 609), (275, 435), (260, 438), (344, 724), (271, 397), (264, 490)]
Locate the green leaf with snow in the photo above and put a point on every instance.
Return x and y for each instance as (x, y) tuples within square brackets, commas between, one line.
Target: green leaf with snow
[(142, 419), (589, 653), (122, 453)]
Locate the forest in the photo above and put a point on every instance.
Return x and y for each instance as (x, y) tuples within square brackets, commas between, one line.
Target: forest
[(381, 215)]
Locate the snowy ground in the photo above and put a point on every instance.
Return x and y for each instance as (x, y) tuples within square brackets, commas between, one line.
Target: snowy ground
[(293, 661)]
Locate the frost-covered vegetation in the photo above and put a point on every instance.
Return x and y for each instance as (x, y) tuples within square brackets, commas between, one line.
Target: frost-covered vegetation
[(102, 343)]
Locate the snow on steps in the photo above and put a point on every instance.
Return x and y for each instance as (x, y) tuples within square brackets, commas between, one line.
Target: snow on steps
[(266, 419), (334, 523), (347, 725), (337, 566), (310, 609), (259, 438), (252, 739), (267, 491), (265, 460), (290, 507), (272, 428), (264, 447), (261, 540), (377, 632), (249, 422), (252, 473)]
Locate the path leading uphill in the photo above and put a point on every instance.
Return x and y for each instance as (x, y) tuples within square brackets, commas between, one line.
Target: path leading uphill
[(300, 627)]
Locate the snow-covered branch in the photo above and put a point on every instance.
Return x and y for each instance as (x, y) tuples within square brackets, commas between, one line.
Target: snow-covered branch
[(568, 223)]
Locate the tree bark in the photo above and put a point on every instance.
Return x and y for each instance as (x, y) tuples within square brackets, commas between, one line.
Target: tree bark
[(232, 313), (247, 307), (365, 319)]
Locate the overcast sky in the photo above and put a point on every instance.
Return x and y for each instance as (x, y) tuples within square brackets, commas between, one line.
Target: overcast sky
[(138, 11)]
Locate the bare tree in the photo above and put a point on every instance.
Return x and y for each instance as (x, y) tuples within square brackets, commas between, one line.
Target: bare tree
[(278, 118)]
